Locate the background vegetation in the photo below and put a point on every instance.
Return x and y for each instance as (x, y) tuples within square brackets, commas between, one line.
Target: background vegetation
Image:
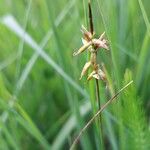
[(43, 105)]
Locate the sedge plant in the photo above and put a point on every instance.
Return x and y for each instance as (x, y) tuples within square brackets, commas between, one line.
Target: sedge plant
[(93, 45)]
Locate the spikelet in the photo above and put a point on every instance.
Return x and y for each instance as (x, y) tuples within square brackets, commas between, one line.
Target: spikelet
[(82, 49), (85, 69), (92, 44)]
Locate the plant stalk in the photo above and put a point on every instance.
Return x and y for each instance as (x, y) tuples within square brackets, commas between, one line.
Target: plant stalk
[(97, 83), (97, 114), (100, 116)]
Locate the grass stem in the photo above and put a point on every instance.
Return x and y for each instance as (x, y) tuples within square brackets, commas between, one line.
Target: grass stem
[(97, 84), (97, 114), (100, 117)]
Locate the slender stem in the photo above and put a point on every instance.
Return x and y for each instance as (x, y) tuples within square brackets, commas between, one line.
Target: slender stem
[(97, 84), (100, 117), (98, 94), (90, 18), (97, 114)]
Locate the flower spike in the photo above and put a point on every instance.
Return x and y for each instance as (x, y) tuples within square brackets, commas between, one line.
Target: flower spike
[(102, 36), (82, 49), (92, 44), (85, 69)]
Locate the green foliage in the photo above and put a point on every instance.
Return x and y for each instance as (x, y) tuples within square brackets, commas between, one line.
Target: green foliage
[(43, 105), (134, 118)]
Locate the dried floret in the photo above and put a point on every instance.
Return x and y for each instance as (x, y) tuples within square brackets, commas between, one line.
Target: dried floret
[(92, 44)]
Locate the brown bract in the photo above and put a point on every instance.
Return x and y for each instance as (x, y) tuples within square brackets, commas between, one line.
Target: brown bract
[(92, 45)]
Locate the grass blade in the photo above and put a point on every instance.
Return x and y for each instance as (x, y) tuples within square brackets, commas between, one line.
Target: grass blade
[(12, 24)]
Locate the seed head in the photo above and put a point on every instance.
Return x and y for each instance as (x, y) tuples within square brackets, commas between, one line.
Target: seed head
[(92, 45)]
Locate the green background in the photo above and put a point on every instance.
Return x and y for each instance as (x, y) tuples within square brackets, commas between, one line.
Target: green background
[(43, 104)]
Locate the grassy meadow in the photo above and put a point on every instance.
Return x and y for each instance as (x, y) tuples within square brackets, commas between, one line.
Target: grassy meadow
[(43, 104)]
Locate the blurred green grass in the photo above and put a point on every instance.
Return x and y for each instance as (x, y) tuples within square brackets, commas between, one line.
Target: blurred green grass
[(43, 105)]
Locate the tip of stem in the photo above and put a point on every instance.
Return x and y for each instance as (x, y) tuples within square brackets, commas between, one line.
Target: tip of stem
[(75, 54), (90, 17)]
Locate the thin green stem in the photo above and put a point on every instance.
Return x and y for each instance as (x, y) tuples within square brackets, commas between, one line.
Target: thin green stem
[(100, 117), (98, 94), (97, 83), (97, 114)]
